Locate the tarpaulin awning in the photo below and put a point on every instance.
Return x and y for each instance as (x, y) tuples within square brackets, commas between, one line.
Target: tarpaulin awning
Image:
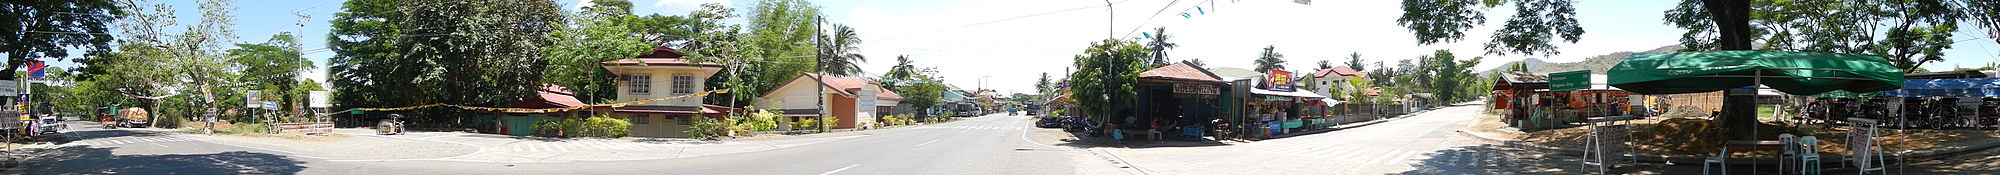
[(1791, 72), (1961, 87)]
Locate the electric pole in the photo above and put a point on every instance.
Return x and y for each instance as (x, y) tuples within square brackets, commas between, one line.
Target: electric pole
[(820, 70)]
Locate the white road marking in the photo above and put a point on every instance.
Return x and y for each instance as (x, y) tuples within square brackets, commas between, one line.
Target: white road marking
[(841, 169), (1379, 158), (563, 148), (1400, 159), (114, 142), (161, 145), (517, 148), (929, 142)]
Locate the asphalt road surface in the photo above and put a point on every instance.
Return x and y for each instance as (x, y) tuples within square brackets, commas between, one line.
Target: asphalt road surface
[(982, 145)]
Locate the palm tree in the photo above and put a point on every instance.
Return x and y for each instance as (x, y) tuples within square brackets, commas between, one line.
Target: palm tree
[(1270, 60), (1159, 46), (840, 57), (903, 69)]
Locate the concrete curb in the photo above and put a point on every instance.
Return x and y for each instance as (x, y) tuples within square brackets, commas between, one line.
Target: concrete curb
[(1698, 160)]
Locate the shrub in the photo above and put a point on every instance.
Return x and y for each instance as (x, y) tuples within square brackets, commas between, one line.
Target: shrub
[(704, 128), (762, 120), (592, 126), (807, 123), (169, 122), (830, 122)]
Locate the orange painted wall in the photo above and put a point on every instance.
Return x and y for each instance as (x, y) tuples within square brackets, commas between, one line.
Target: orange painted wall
[(843, 108)]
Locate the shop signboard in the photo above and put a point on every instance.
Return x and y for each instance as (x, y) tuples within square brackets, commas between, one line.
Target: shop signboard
[(320, 99), (1204, 89), (1279, 80), (1572, 80), (251, 98)]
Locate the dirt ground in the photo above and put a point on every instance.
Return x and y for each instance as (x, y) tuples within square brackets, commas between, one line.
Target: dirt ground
[(1697, 137)]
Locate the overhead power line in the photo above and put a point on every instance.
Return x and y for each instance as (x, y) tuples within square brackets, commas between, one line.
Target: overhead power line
[(1043, 13)]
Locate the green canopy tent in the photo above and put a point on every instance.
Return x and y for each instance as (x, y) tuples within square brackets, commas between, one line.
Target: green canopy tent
[(1790, 72)]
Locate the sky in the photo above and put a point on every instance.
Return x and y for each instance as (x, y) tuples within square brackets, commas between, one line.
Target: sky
[(1009, 43)]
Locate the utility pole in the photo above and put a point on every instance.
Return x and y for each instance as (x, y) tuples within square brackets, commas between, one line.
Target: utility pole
[(819, 69), (1110, 15)]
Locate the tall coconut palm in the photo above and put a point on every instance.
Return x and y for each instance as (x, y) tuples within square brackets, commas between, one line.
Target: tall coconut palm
[(1159, 47), (840, 56), (1270, 60)]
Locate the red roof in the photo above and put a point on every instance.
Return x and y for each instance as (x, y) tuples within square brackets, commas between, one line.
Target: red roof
[(1342, 71), (551, 96), (1182, 71), (642, 61), (661, 56), (847, 86)]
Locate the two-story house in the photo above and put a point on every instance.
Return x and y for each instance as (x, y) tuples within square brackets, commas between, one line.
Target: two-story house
[(662, 74), (1333, 81)]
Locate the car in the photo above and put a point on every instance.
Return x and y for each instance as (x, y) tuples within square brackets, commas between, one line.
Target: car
[(53, 125)]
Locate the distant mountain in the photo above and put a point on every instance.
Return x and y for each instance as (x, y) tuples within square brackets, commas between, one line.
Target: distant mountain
[(1596, 64)]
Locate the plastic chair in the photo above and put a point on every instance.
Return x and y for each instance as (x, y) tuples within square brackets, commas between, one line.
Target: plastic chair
[(1809, 155), (1718, 161), (1791, 149)]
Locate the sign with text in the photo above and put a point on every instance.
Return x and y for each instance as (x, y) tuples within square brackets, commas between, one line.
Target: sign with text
[(320, 99), (9, 87), (1203, 89), (1566, 81), (1279, 80), (252, 99)]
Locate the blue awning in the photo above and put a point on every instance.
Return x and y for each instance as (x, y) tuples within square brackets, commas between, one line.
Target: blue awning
[(1960, 87)]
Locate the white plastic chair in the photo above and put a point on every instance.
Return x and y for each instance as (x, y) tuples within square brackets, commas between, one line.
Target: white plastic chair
[(1718, 161), (1791, 149), (1809, 155)]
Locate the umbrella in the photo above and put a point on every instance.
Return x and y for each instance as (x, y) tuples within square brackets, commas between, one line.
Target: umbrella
[(1791, 72)]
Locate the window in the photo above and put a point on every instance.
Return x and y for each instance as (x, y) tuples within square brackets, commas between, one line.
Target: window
[(639, 119), (683, 84), (683, 120), (638, 83)]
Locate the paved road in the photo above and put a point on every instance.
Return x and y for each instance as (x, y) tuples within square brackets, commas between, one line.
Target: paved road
[(980, 145), (1426, 143)]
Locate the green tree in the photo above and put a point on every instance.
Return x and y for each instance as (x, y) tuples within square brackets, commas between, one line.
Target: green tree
[(272, 67), (1196, 62), (366, 70), (1270, 60), (1105, 77), (1354, 61), (578, 49), (48, 29), (1535, 24), (1909, 33), (475, 53), (1159, 45), (840, 55), (1042, 84), (1325, 64), (403, 53), (926, 92), (903, 70), (781, 33)]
